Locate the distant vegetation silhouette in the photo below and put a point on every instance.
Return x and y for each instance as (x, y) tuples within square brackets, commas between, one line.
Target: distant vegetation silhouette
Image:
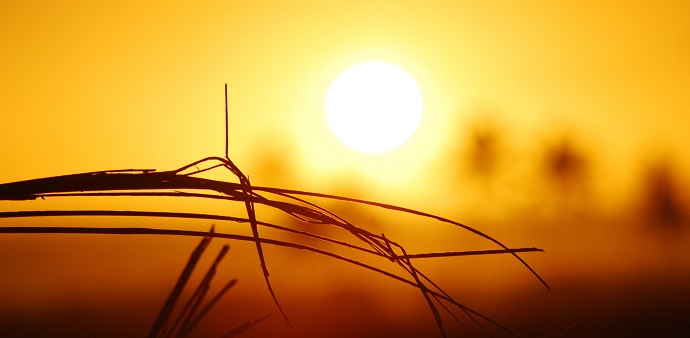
[(662, 200)]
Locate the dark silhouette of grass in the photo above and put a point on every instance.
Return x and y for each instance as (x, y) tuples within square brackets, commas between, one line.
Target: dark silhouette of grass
[(244, 327), (167, 309), (190, 310), (438, 294), (179, 183), (190, 316)]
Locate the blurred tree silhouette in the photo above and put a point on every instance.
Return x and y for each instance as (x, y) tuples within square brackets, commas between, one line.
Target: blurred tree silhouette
[(662, 203), (565, 164), (484, 149), (566, 170)]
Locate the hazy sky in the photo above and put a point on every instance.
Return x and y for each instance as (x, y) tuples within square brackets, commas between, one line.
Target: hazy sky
[(91, 86), (529, 106)]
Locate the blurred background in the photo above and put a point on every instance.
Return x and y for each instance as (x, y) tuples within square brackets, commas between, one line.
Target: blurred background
[(559, 125)]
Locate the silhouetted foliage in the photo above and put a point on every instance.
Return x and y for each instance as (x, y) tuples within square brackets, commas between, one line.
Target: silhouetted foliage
[(481, 157), (662, 203), (484, 151), (566, 170), (565, 165)]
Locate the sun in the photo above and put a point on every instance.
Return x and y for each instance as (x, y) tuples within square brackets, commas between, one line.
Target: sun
[(373, 107)]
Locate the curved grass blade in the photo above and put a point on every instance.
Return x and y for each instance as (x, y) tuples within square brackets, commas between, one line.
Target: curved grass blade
[(172, 180)]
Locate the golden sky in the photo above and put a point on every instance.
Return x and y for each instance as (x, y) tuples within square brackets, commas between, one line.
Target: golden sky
[(136, 83), (507, 85)]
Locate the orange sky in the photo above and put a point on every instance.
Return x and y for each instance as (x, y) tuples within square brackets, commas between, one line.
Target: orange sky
[(108, 85)]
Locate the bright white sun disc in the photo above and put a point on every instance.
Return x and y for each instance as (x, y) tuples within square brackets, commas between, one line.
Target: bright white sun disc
[(373, 107)]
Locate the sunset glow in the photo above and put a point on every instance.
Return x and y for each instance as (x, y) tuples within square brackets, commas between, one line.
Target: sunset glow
[(559, 125), (374, 107)]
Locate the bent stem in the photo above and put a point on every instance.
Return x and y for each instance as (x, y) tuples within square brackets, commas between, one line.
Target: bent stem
[(177, 183)]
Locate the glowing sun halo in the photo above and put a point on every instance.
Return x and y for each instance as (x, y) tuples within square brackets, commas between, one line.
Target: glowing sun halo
[(373, 107)]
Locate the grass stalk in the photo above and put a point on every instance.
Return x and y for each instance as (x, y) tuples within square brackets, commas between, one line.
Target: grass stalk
[(169, 305)]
